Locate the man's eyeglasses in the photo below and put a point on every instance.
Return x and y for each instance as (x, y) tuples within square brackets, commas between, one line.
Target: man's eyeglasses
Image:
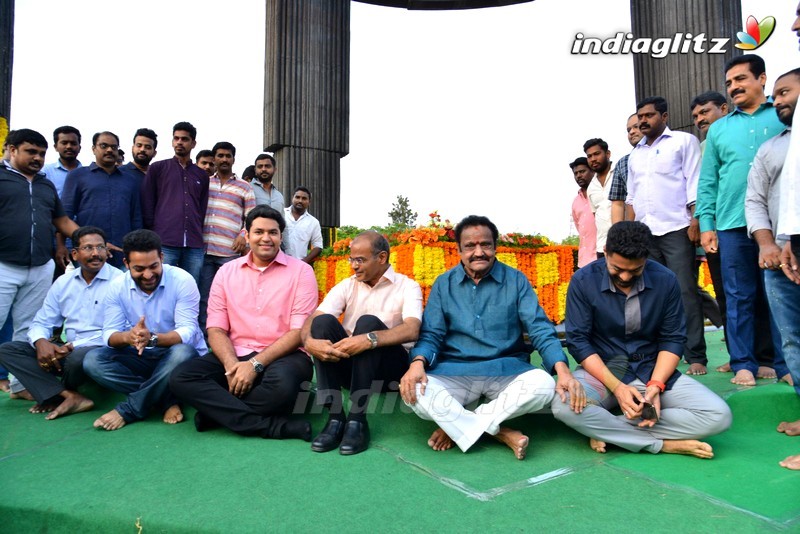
[(357, 261), (92, 248), (106, 146)]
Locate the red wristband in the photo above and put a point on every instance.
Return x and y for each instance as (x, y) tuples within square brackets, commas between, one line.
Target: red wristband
[(657, 383)]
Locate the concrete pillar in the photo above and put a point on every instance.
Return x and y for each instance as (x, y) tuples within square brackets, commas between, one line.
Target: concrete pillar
[(6, 65)]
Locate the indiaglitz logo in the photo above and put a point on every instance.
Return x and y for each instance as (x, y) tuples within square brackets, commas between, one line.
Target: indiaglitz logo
[(757, 33)]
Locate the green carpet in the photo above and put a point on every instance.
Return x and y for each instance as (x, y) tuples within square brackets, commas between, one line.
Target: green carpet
[(64, 476)]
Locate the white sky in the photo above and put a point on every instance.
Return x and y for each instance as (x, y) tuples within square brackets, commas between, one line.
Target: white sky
[(474, 111)]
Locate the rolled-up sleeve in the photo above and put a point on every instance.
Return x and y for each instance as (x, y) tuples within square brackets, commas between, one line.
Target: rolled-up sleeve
[(756, 207), (114, 319), (187, 308), (672, 334), (48, 317)]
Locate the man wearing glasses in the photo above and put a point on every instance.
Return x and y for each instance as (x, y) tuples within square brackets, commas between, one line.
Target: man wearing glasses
[(75, 301), (101, 195), (471, 345), (625, 327), (368, 351)]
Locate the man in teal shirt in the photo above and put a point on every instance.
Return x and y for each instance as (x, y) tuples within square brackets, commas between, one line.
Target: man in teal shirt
[(731, 145)]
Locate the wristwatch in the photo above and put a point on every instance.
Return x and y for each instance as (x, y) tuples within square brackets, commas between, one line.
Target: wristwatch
[(257, 367), (153, 341), (373, 339)]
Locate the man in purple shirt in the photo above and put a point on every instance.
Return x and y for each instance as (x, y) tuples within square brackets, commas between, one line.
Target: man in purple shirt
[(174, 200)]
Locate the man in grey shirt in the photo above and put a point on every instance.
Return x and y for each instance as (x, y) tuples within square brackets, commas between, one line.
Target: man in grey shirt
[(263, 188)]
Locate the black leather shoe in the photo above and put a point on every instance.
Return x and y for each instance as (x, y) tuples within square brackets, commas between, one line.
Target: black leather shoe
[(356, 438), (330, 437)]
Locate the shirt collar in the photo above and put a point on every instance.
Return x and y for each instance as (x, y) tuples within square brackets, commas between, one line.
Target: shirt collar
[(103, 274), (496, 272), (60, 166), (607, 285), (93, 166), (767, 104), (280, 259)]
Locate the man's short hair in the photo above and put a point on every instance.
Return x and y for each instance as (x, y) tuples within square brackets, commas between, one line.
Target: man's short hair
[(579, 161), (262, 210), (203, 154), (86, 230), (140, 241), (476, 220), (718, 99), (595, 142), (659, 102), (267, 156), (377, 241), (148, 133), (224, 145), (97, 135), (303, 189), (25, 135), (66, 130), (249, 172), (629, 239), (754, 62), (186, 127), (793, 72)]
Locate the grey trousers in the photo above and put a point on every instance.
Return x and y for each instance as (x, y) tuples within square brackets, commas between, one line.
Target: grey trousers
[(20, 359), (689, 410)]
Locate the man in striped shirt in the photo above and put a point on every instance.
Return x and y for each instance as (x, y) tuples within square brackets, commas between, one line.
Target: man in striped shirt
[(230, 199)]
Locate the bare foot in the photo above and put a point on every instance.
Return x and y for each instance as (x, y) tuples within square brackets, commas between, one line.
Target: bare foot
[(110, 421), (597, 445), (696, 369), (22, 395), (516, 440), (790, 429), (766, 372), (5, 385), (744, 378), (690, 447), (724, 368), (44, 407), (73, 403), (440, 441), (173, 415), (791, 462), (788, 379)]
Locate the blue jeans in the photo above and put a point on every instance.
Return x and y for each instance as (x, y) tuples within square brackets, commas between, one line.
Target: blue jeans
[(743, 283), (188, 259), (5, 335), (784, 302), (145, 378), (211, 265)]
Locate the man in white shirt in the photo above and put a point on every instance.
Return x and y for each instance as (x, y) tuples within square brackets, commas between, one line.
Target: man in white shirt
[(599, 158), (303, 233)]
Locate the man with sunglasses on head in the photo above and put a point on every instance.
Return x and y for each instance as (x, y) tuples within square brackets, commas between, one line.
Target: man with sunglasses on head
[(368, 351), (75, 301), (625, 327)]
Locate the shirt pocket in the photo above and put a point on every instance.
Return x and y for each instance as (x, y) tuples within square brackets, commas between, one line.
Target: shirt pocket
[(498, 321)]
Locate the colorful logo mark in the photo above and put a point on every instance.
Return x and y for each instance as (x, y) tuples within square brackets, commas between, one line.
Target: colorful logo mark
[(757, 33)]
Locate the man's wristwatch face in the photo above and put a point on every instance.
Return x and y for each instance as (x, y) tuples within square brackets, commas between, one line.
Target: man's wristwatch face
[(373, 339), (257, 366), (153, 341)]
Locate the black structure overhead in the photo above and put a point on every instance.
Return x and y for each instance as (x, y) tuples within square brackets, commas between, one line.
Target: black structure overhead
[(442, 4)]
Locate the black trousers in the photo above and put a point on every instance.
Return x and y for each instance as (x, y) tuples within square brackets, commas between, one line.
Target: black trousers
[(20, 359), (371, 371), (263, 412)]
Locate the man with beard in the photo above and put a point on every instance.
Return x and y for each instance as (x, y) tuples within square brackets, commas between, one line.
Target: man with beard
[(263, 188), (230, 199), (75, 301), (731, 145), (145, 142), (619, 184), (582, 214), (662, 188), (598, 155), (471, 345), (103, 196), (303, 233), (174, 201), (67, 142), (149, 328), (625, 328)]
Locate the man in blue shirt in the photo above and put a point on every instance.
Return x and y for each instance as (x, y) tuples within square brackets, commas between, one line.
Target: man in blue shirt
[(625, 327), (471, 344), (103, 196), (145, 143), (74, 301), (150, 327)]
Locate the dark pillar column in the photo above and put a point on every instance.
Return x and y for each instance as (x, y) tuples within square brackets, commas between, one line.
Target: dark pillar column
[(680, 77), (6, 65), (307, 98)]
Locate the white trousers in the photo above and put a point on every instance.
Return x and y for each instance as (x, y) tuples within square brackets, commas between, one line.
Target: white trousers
[(445, 399)]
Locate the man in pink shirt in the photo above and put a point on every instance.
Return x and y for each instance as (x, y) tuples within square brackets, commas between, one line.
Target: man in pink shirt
[(582, 214), (257, 305)]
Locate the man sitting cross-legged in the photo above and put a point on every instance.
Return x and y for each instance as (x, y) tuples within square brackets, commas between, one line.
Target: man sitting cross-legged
[(369, 350), (472, 345), (256, 307), (150, 327), (75, 301), (625, 327)]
